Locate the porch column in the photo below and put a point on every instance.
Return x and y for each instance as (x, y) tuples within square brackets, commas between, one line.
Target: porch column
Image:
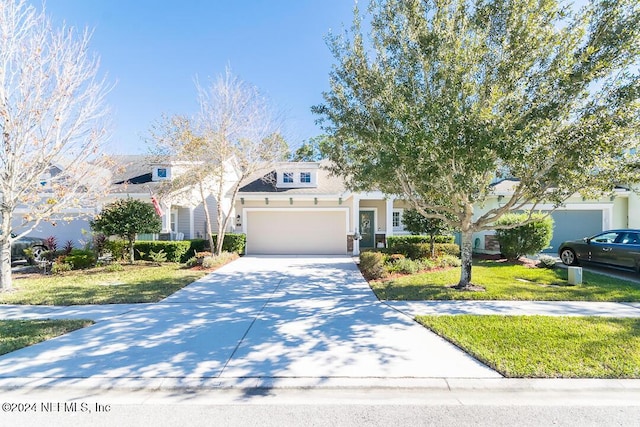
[(192, 226), (389, 225), (355, 223), (166, 218)]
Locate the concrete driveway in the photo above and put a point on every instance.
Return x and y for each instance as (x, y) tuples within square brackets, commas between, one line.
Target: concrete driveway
[(259, 321)]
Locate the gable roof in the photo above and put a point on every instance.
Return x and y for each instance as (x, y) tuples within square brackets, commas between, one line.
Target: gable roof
[(132, 174), (265, 183)]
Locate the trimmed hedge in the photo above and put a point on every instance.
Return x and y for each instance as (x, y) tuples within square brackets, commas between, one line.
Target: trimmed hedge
[(233, 242), (393, 241), (421, 250), (175, 250)]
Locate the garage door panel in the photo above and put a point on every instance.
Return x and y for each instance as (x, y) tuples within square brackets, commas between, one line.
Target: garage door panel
[(574, 224), (296, 232)]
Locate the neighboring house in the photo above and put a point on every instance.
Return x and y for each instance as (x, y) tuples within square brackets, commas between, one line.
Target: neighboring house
[(184, 215), (576, 219)]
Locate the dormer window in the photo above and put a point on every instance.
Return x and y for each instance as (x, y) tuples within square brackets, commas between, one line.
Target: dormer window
[(305, 177), (297, 175), (287, 177), (162, 172)]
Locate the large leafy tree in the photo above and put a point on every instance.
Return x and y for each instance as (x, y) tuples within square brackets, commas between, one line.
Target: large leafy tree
[(445, 95), (52, 115), (126, 218)]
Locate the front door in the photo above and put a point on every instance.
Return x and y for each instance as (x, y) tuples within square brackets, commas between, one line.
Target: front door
[(367, 230)]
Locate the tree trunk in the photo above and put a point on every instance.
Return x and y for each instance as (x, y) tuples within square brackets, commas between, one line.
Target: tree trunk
[(466, 253), (5, 266), (207, 218), (131, 249), (432, 246)]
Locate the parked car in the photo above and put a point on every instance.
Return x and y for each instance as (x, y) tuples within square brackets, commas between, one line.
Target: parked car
[(36, 244), (618, 248)]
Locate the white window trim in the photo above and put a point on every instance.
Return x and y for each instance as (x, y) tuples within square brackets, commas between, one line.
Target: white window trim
[(400, 226)]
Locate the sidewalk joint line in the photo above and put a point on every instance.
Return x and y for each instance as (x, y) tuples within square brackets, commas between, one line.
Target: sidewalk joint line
[(233, 353)]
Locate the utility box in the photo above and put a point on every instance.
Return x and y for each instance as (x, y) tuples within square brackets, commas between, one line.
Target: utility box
[(575, 275)]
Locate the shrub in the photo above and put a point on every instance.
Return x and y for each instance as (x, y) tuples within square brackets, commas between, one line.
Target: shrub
[(112, 268), (191, 262), (419, 250), (428, 264), (233, 242), (68, 247), (217, 261), (117, 248), (51, 243), (525, 239), (60, 267), (196, 245), (450, 249), (547, 261), (158, 257), (449, 261), (406, 266), (79, 259), (175, 250), (393, 241), (99, 243), (372, 265)]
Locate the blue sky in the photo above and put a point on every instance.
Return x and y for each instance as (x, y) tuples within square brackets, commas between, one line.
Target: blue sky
[(154, 49)]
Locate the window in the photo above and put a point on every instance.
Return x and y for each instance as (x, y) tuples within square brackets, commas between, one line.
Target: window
[(305, 177), (396, 220), (162, 172), (287, 177)]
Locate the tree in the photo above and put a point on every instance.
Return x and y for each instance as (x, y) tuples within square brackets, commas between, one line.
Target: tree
[(126, 218), (416, 223), (311, 150), (51, 121), (235, 135), (448, 94), (527, 239)]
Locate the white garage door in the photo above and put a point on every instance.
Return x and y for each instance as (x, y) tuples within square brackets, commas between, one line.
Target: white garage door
[(287, 232)]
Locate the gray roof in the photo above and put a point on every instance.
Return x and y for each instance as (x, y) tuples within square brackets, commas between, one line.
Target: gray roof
[(261, 183), (132, 174)]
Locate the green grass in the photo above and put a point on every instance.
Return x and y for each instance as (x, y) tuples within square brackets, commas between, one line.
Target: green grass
[(135, 284), (15, 334), (546, 347), (504, 281)]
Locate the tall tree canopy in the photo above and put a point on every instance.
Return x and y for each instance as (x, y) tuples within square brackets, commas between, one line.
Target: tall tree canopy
[(235, 134), (441, 96), (52, 124)]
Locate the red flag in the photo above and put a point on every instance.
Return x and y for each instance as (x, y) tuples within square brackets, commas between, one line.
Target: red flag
[(156, 206)]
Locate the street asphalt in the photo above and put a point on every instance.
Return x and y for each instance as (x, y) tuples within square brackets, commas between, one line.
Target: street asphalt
[(275, 322)]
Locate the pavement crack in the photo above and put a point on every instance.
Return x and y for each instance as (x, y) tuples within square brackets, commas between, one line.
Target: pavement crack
[(255, 318)]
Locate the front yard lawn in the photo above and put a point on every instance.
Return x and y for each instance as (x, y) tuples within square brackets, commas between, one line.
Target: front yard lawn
[(137, 283), (546, 347), (15, 334), (507, 281)]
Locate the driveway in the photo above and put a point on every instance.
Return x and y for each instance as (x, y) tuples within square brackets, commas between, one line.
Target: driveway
[(259, 321)]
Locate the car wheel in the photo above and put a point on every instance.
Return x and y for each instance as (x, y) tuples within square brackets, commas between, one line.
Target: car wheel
[(568, 256), (37, 253)]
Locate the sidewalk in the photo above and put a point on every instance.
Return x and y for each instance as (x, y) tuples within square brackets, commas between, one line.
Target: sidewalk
[(281, 323)]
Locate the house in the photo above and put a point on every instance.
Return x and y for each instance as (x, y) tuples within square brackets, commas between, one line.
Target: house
[(299, 208)]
